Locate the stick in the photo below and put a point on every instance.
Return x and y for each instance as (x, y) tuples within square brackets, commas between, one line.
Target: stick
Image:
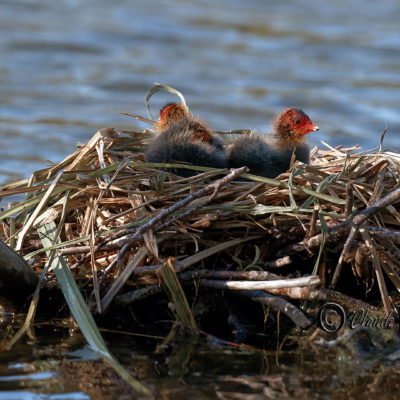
[(149, 121), (262, 285), (344, 226), (362, 217), (384, 233), (349, 200), (240, 275), (122, 279), (278, 304), (137, 232), (378, 271), (358, 220), (139, 294), (70, 251), (313, 223), (278, 263), (215, 186), (346, 249), (321, 294)]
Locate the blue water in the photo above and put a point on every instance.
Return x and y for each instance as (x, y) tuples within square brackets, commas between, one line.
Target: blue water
[(68, 67)]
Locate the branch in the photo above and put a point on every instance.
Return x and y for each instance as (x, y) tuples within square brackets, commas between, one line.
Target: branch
[(262, 285), (278, 304), (355, 224), (346, 225), (137, 232)]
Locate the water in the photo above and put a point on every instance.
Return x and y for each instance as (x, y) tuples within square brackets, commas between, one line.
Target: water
[(58, 366), (68, 67)]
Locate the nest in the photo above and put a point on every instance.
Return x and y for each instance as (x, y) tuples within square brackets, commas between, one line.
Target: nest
[(322, 231)]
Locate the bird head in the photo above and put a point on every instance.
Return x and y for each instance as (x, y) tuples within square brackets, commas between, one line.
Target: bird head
[(170, 113), (293, 124)]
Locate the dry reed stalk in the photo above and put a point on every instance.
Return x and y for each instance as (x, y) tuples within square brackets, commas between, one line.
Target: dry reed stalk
[(117, 200)]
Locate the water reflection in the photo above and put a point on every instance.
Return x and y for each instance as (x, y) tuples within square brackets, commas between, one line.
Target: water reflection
[(59, 365), (68, 67)]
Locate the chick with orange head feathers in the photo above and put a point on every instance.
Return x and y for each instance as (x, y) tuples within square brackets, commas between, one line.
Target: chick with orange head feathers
[(270, 155), (180, 137)]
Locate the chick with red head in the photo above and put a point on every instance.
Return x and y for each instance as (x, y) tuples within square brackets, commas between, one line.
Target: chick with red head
[(270, 155), (182, 138)]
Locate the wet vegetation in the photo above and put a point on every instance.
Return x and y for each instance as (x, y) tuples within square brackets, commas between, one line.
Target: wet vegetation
[(130, 246)]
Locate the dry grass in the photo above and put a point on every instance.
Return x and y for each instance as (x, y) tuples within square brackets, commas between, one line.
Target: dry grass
[(106, 192)]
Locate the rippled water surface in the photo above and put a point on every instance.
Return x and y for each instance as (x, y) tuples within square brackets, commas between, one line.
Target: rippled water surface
[(60, 367), (68, 67)]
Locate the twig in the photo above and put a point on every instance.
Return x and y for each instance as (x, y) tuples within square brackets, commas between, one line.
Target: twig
[(149, 121), (384, 233), (215, 186), (182, 265), (185, 278), (207, 273), (349, 199), (120, 282), (37, 211), (70, 251), (354, 225), (382, 137), (137, 294), (361, 262), (313, 222), (390, 269), (193, 259), (358, 220), (243, 275), (256, 295), (137, 232), (278, 263), (297, 293), (322, 294), (346, 249), (378, 271), (344, 226), (262, 285), (278, 304), (363, 216)]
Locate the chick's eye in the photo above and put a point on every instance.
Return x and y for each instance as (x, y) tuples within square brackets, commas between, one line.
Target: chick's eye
[(297, 121)]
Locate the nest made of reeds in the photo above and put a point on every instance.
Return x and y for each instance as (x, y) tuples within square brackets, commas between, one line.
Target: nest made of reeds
[(119, 223)]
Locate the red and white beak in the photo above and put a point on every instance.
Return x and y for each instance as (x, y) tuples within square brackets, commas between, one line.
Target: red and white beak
[(315, 128)]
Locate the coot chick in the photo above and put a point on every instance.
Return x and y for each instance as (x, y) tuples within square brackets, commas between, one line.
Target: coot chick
[(270, 155), (183, 138)]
